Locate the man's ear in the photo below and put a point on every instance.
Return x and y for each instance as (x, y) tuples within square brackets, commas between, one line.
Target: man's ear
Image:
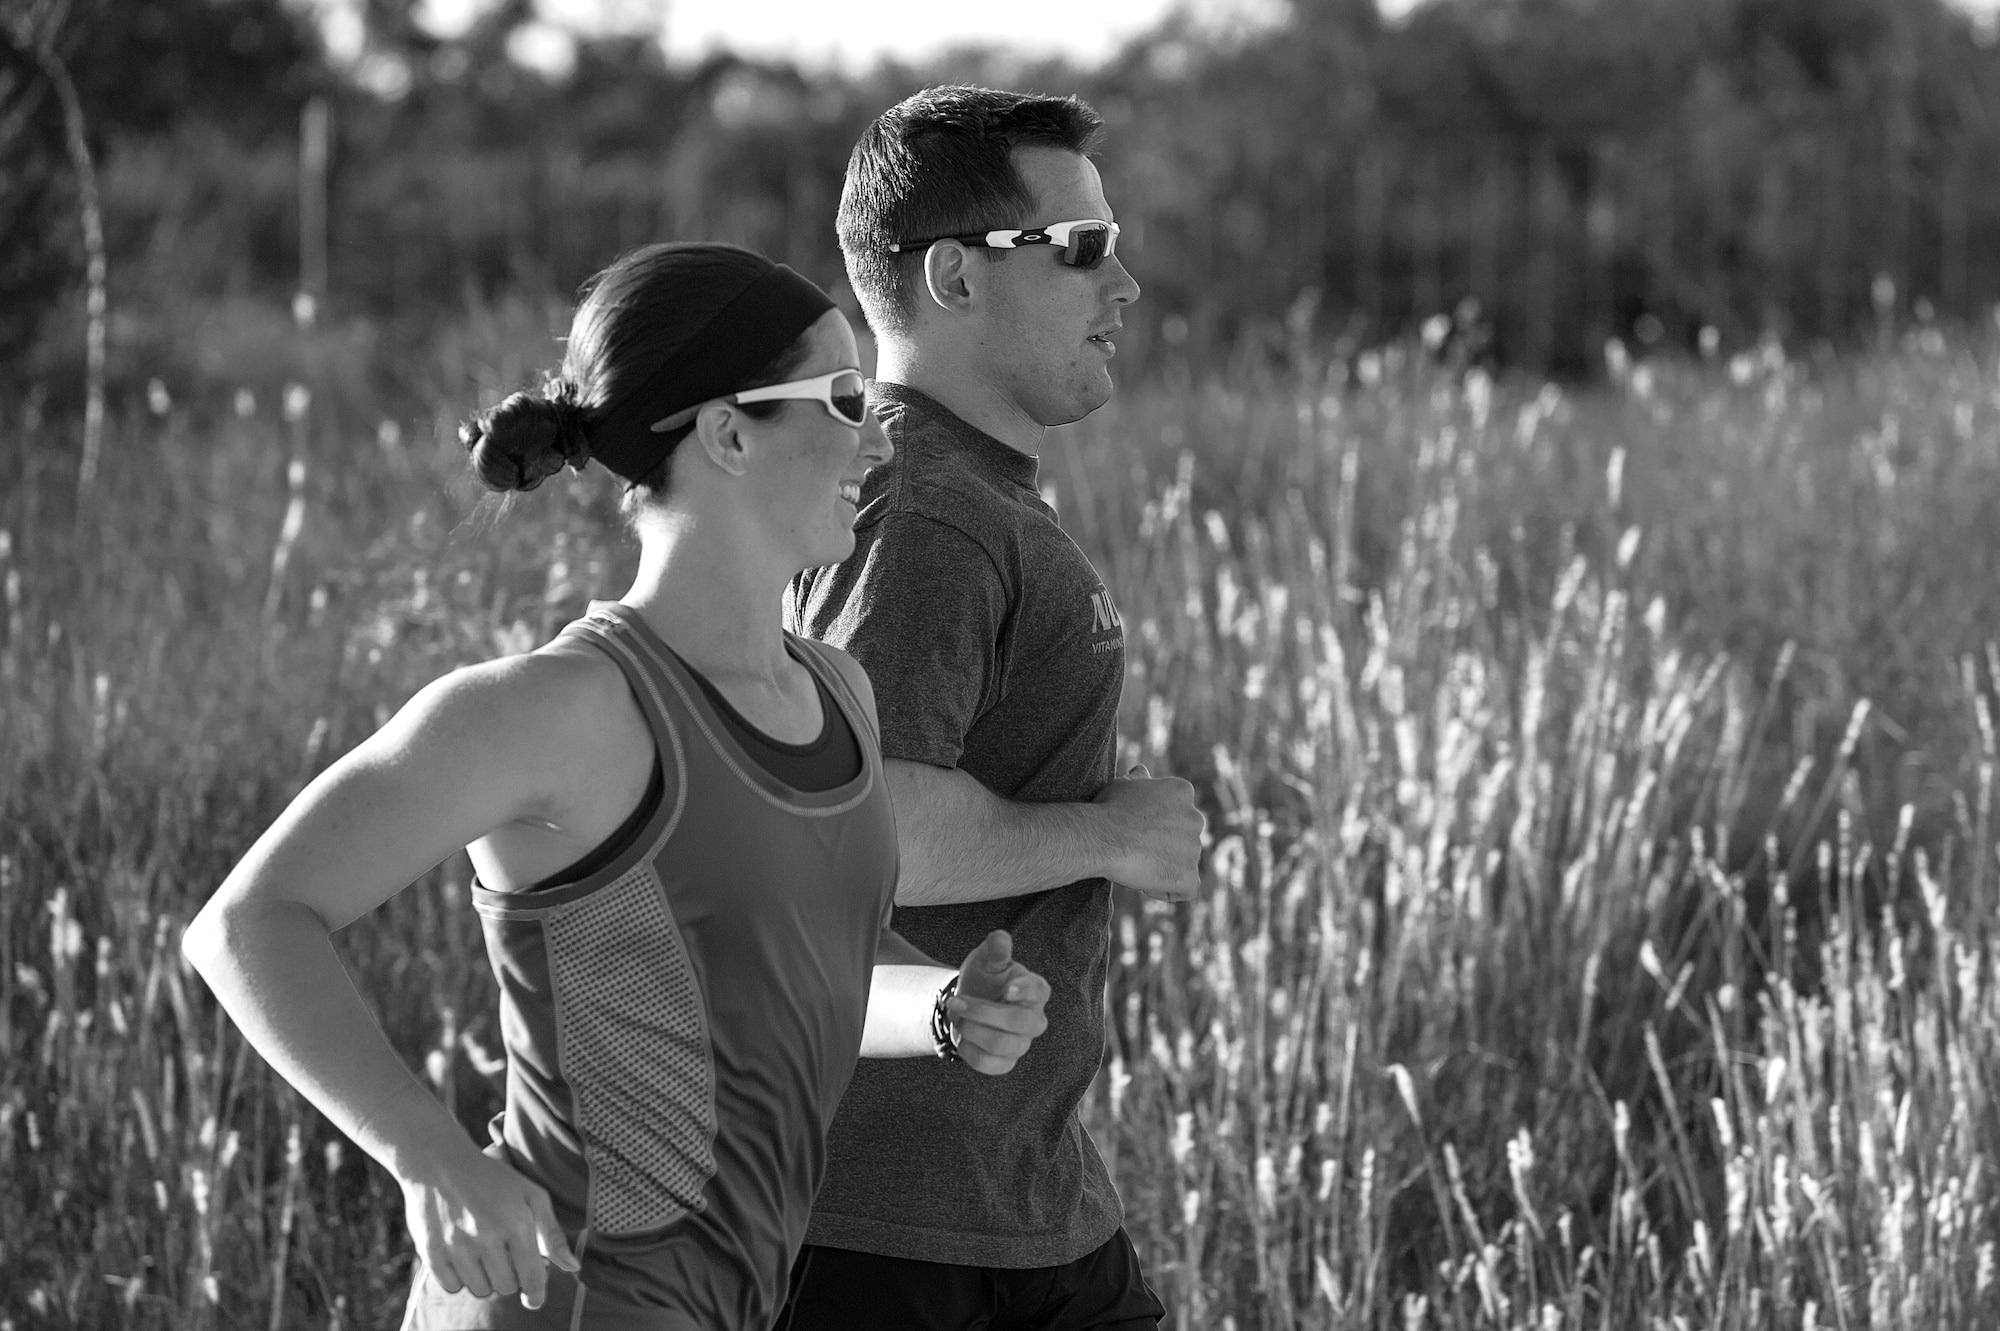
[(717, 433), (948, 278)]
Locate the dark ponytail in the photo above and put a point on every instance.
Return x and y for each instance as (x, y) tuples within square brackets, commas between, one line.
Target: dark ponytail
[(635, 316), (527, 439)]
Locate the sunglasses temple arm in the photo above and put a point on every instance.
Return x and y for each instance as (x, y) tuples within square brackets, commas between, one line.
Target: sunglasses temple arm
[(667, 424)]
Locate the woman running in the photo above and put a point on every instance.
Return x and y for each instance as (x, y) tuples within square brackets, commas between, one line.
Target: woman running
[(685, 851)]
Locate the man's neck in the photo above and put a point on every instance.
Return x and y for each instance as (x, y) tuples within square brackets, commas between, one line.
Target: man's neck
[(959, 388)]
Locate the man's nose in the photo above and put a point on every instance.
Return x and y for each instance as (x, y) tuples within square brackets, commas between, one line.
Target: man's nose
[(876, 450), (1123, 288)]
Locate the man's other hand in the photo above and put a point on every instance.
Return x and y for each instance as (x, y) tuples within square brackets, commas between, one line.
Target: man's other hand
[(1156, 831)]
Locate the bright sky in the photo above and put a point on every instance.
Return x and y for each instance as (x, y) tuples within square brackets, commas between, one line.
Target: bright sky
[(852, 36), (857, 34)]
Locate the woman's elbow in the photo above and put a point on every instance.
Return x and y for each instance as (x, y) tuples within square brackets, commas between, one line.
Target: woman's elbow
[(225, 928)]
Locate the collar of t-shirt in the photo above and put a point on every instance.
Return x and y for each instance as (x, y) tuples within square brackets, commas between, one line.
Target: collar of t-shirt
[(905, 411)]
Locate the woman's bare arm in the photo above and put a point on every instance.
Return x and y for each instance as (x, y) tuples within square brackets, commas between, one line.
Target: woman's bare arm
[(444, 772)]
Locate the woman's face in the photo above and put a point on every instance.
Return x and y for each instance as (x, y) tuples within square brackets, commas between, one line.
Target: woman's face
[(807, 475)]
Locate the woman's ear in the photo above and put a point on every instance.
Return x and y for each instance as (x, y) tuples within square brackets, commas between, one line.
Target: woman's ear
[(718, 432)]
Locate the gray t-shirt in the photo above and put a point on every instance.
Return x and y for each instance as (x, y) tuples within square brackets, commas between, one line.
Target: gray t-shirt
[(993, 647)]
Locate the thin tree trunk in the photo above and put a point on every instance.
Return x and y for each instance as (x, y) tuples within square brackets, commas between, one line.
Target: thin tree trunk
[(44, 55), (315, 151)]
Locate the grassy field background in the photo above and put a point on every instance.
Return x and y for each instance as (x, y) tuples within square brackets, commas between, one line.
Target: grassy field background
[(1597, 930)]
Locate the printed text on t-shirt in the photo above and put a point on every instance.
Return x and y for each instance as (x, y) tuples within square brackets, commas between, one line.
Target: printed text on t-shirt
[(1104, 619)]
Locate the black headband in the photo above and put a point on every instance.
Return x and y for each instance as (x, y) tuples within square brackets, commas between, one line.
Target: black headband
[(745, 335)]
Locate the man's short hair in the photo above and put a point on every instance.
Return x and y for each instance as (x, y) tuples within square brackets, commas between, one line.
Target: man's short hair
[(941, 163)]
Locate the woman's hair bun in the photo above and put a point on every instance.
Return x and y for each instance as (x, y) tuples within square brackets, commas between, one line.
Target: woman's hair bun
[(527, 439)]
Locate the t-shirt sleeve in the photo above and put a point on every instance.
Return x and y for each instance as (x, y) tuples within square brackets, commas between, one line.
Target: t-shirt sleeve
[(922, 608)]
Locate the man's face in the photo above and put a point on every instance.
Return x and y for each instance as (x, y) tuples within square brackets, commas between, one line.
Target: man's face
[(1045, 328)]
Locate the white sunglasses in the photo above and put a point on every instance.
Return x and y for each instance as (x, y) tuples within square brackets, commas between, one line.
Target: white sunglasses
[(1084, 243), (843, 392)]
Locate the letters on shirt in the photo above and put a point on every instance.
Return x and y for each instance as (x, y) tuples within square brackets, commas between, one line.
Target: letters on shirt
[(1104, 619)]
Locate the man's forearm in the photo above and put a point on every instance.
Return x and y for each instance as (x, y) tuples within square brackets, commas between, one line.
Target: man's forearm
[(961, 842)]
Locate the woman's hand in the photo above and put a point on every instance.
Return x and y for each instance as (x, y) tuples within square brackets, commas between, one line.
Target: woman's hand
[(482, 1227), (997, 1012)]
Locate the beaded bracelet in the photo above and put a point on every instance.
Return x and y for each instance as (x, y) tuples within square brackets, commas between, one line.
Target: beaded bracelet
[(941, 1036)]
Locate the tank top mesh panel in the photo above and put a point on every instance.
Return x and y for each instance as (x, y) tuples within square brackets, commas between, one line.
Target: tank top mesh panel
[(636, 1053)]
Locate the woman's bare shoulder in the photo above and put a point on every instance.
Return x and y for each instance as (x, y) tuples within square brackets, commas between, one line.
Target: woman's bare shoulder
[(562, 702)]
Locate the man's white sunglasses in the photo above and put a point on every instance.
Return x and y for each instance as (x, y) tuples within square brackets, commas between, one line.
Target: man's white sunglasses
[(1085, 243), (843, 392)]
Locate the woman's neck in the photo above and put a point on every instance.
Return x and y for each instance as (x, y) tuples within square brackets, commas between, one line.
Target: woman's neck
[(703, 589)]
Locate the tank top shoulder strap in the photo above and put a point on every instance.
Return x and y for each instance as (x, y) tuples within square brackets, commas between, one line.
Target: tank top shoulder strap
[(606, 630), (832, 670)]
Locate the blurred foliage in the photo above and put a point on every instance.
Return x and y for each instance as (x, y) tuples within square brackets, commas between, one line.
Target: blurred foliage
[(1579, 169), (149, 72), (1598, 925)]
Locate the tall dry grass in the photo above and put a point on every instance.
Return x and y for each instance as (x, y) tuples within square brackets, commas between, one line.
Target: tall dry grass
[(1595, 931)]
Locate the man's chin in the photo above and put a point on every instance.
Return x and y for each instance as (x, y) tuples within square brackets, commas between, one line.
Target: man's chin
[(1078, 405)]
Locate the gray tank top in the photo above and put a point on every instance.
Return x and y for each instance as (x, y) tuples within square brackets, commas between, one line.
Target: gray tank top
[(681, 1022)]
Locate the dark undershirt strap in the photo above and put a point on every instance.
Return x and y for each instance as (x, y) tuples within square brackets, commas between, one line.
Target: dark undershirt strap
[(614, 845), (825, 763)]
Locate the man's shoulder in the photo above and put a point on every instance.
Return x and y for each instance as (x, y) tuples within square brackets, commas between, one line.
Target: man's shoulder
[(929, 478), (926, 499)]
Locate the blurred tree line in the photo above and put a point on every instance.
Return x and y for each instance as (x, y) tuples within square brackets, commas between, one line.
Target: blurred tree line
[(1556, 172)]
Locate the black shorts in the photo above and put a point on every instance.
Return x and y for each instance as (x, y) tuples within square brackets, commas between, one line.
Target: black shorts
[(837, 1290)]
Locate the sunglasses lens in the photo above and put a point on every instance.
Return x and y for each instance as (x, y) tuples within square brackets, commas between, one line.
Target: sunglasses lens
[(1088, 246), (849, 396)]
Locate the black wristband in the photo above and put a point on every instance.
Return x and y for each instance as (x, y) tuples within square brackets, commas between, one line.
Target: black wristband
[(941, 1037)]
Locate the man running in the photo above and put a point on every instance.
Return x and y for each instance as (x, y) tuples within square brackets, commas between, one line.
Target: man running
[(982, 249)]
